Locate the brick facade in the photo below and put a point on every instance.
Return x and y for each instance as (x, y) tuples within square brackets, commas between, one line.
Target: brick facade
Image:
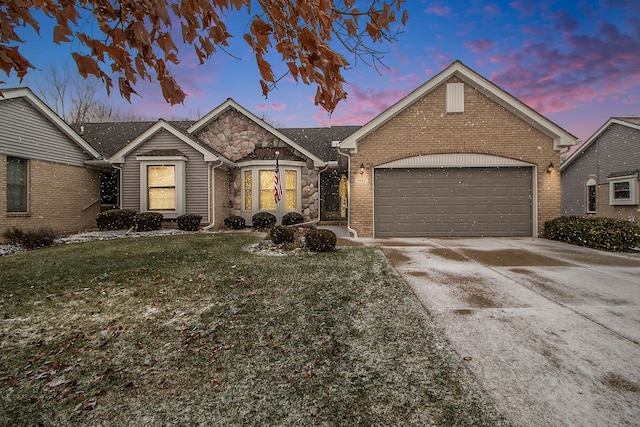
[(64, 198), (425, 127)]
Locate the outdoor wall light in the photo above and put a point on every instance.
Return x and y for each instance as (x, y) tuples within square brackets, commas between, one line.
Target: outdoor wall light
[(361, 168), (550, 168)]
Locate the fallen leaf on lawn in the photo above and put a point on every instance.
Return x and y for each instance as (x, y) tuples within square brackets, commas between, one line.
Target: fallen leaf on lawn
[(467, 358), (314, 412), (58, 382)]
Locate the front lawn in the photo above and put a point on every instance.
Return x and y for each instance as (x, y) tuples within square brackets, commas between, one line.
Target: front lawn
[(196, 330)]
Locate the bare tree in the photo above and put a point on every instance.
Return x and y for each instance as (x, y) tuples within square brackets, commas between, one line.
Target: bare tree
[(74, 98)]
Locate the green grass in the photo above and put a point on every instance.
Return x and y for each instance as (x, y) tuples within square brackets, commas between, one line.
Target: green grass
[(196, 330)]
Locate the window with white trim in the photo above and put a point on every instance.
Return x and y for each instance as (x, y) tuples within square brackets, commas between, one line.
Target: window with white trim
[(162, 185), (17, 184), (591, 188), (623, 190), (258, 189)]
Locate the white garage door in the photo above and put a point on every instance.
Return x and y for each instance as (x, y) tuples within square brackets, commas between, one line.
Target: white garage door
[(456, 202)]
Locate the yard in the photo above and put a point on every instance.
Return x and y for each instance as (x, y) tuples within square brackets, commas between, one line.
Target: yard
[(196, 330)]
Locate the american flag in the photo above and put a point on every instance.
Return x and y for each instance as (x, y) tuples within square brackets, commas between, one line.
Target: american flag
[(277, 186)]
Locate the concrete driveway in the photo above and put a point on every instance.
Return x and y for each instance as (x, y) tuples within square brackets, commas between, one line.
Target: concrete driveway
[(551, 331)]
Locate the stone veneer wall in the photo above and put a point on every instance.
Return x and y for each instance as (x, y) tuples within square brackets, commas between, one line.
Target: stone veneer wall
[(235, 136)]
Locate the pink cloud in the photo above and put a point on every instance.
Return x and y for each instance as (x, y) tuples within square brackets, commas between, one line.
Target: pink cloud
[(361, 105), (586, 68), (438, 10), (479, 46), (262, 107), (492, 9), (278, 107)]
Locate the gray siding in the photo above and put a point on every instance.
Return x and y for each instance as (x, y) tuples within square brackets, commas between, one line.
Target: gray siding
[(573, 179), (26, 133), (616, 150), (196, 174), (619, 148)]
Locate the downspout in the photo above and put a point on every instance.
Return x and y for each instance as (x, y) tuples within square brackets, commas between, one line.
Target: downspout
[(349, 229), (211, 196)]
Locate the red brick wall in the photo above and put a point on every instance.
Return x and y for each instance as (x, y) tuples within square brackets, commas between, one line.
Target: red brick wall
[(425, 128), (65, 198)]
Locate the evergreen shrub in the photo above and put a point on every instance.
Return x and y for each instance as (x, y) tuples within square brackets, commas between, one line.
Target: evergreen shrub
[(594, 232)]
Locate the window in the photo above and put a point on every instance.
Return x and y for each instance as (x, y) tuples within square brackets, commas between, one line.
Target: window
[(161, 188), (623, 190), (267, 192), (162, 185), (591, 195), (17, 184), (290, 186), (259, 193), (247, 190)]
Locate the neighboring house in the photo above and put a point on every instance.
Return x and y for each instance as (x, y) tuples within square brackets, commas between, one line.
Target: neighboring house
[(601, 177), (221, 165), (457, 157), (44, 172)]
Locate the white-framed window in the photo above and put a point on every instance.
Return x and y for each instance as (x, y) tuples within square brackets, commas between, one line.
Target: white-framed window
[(17, 185), (162, 185), (258, 188), (623, 190), (590, 195)]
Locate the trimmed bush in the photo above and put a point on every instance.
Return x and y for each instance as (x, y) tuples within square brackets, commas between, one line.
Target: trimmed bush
[(115, 219), (189, 222), (148, 221), (281, 234), (292, 218), (321, 240), (234, 222), (594, 232), (263, 220), (31, 239)]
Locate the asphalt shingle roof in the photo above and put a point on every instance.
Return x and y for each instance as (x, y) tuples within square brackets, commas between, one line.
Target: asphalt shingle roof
[(318, 140)]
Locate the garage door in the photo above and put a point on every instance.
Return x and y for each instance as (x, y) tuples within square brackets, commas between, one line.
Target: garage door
[(456, 202)]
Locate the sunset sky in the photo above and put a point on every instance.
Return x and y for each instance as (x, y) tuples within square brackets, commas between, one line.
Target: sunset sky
[(578, 63)]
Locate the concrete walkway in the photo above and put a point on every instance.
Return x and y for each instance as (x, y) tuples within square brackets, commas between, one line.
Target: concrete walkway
[(551, 331)]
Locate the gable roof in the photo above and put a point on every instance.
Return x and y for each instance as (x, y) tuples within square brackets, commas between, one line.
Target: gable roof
[(51, 115), (561, 138), (230, 103), (162, 125), (318, 140), (109, 137), (630, 122)]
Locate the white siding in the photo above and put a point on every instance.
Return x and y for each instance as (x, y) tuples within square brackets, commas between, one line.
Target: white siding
[(26, 133)]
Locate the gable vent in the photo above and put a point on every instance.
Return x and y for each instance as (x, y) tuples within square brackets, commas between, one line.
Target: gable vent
[(455, 97)]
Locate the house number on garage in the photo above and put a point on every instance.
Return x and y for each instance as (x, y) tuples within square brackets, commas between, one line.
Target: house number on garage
[(362, 180)]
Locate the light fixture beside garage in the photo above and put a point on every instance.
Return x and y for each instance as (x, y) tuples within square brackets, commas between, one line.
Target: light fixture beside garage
[(361, 168), (550, 168)]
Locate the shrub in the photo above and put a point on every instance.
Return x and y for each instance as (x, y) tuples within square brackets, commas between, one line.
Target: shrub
[(594, 232), (234, 222), (281, 234), (263, 220), (321, 240), (189, 222), (148, 221), (116, 219), (292, 218), (37, 238)]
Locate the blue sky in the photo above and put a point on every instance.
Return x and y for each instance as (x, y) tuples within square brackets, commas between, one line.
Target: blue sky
[(578, 63)]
